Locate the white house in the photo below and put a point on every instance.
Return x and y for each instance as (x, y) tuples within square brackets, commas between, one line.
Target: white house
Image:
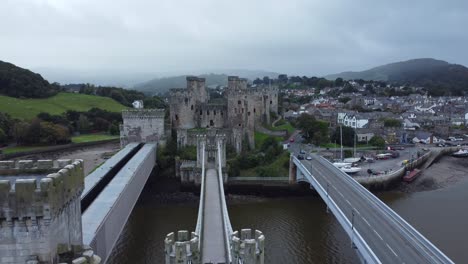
[(138, 104), (355, 121)]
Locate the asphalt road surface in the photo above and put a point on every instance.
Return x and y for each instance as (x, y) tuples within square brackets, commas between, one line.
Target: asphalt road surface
[(383, 235)]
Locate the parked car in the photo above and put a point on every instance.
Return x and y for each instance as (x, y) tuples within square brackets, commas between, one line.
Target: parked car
[(300, 157), (302, 151), (309, 158), (291, 140)]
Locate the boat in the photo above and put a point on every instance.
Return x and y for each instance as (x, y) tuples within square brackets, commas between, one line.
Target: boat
[(350, 170), (462, 153), (412, 175), (352, 160), (341, 164)]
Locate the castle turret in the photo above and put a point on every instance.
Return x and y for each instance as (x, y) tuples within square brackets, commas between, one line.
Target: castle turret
[(40, 215)]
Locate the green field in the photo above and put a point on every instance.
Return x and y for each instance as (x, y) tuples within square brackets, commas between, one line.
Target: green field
[(92, 137), (260, 137), (10, 150), (287, 126), (55, 105)]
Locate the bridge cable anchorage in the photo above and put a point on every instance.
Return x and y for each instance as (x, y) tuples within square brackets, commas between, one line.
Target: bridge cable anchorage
[(417, 240)]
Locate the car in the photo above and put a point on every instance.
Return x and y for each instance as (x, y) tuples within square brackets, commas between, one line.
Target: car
[(309, 158), (291, 140), (300, 157), (459, 139), (302, 151)]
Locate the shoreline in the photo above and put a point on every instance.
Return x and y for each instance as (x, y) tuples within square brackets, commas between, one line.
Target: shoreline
[(446, 171)]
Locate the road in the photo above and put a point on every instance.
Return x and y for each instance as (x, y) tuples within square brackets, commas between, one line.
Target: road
[(383, 235), (213, 242), (388, 165)]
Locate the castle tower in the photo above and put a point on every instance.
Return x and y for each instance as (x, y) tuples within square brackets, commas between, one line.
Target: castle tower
[(196, 86), (142, 125), (40, 214)]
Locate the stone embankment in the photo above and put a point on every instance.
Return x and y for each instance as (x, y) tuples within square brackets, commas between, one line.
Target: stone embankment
[(384, 181)]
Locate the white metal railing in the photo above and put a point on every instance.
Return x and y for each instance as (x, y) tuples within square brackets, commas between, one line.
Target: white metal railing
[(227, 222), (201, 207), (366, 252)]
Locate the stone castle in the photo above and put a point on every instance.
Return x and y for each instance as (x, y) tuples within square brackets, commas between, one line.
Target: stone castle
[(193, 112)]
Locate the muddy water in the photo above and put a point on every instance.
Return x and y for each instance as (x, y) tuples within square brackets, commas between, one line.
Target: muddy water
[(298, 229)]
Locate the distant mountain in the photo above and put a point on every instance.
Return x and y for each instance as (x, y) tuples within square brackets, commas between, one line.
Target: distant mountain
[(430, 73), (162, 85), (19, 82)]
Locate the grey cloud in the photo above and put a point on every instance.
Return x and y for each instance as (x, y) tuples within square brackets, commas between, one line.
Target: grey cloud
[(295, 37)]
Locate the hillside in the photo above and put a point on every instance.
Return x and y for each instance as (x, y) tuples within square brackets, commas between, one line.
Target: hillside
[(430, 73), (19, 82), (60, 103), (162, 85)]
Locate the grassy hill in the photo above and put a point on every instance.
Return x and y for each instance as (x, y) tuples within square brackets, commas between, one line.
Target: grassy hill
[(19, 82), (55, 105)]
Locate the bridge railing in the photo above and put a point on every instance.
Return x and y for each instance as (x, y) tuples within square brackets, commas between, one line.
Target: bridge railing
[(397, 219), (201, 206), (226, 221), (366, 252)]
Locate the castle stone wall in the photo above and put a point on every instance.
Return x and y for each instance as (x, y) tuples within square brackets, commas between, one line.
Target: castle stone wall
[(142, 125), (40, 216)]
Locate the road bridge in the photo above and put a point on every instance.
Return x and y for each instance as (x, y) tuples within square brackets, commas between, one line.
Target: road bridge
[(377, 233)]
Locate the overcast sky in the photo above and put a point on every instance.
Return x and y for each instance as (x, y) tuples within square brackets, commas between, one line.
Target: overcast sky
[(310, 37)]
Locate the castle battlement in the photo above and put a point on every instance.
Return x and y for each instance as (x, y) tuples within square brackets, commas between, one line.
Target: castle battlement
[(180, 93), (38, 196), (11, 167), (247, 248), (143, 113)]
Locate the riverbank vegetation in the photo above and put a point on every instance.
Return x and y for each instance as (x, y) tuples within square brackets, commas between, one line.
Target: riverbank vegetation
[(269, 160)]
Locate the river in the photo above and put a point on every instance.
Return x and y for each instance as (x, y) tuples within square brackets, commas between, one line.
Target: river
[(299, 230)]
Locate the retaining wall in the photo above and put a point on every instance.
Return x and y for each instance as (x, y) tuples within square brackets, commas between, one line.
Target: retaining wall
[(382, 182)]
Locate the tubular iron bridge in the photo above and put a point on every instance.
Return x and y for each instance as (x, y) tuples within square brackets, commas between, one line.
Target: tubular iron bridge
[(378, 233)]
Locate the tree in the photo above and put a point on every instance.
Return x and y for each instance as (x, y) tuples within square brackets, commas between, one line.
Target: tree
[(257, 81), (114, 129), (6, 123), (20, 130), (391, 122), (315, 131), (3, 136), (33, 132), (377, 141), (348, 136), (339, 82), (344, 100), (83, 123), (101, 124)]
